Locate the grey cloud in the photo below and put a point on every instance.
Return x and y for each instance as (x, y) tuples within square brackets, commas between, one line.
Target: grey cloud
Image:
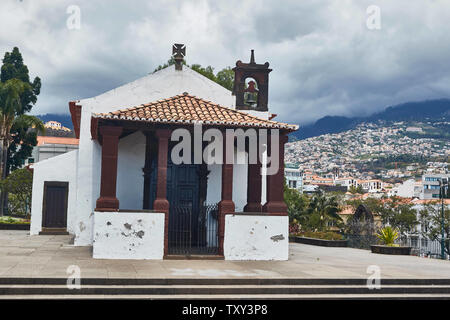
[(324, 59)]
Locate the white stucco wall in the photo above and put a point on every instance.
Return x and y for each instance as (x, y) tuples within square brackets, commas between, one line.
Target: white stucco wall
[(88, 178), (163, 84), (128, 235), (256, 237), (62, 168), (214, 191), (130, 179)]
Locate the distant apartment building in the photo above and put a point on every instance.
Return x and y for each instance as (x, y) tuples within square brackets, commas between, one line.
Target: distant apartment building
[(372, 185), (408, 189), (345, 182), (431, 185), (48, 147), (294, 177), (56, 140)]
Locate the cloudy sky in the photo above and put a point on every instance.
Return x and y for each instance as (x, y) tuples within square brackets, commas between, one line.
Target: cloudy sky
[(325, 59)]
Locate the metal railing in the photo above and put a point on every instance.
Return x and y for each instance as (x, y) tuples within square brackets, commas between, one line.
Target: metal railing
[(193, 232), (423, 247), (360, 241)]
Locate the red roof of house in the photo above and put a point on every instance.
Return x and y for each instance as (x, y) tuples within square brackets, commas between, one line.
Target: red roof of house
[(56, 140)]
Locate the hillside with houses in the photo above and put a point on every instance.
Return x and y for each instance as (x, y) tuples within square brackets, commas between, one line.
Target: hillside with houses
[(376, 156)]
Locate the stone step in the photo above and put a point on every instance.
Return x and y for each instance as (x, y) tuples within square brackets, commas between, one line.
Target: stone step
[(222, 290), (238, 297), (220, 281)]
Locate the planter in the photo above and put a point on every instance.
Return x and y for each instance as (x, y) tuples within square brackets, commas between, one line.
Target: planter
[(12, 226), (318, 242), (406, 251)]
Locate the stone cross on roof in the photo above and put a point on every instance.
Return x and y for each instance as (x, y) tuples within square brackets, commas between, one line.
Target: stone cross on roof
[(178, 53)]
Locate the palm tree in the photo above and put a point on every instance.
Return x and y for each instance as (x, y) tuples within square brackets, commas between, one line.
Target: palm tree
[(322, 210), (10, 106)]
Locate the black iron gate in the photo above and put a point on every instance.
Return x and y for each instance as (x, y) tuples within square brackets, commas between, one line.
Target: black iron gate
[(193, 232)]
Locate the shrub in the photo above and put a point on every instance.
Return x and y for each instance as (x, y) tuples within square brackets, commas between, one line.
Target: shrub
[(9, 220), (387, 235), (294, 227), (19, 185), (327, 235)]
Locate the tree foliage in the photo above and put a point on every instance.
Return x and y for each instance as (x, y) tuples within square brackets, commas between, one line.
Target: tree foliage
[(399, 215), (355, 190), (296, 202), (224, 77), (430, 217), (15, 80), (14, 68), (316, 213), (18, 185)]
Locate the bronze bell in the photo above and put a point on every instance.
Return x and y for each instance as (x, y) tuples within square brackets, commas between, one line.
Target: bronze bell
[(250, 98)]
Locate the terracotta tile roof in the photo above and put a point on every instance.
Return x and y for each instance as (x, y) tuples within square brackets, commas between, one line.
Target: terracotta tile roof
[(56, 140), (188, 109)]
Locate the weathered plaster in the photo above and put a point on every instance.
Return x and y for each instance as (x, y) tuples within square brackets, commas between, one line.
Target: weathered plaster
[(128, 235), (256, 237)]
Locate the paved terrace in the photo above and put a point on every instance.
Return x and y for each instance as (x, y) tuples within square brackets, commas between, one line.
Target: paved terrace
[(22, 255)]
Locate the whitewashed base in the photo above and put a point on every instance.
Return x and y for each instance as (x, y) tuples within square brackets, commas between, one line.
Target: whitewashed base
[(128, 235), (256, 237)]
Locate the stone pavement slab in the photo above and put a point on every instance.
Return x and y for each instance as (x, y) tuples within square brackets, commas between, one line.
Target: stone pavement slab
[(22, 255)]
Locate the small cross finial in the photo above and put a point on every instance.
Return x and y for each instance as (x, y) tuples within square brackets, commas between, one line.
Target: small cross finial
[(178, 53)]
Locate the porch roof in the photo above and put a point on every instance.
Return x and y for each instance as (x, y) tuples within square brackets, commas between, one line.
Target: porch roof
[(188, 109)]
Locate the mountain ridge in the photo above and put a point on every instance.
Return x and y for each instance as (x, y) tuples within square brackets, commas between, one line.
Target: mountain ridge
[(428, 110)]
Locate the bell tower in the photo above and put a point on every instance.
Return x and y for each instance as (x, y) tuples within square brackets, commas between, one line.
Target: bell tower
[(251, 85)]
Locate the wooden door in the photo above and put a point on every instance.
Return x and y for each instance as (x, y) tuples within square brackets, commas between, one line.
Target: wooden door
[(55, 204)]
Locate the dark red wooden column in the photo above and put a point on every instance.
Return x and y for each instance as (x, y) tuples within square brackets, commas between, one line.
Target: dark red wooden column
[(254, 184), (110, 146), (226, 204), (161, 204), (150, 154), (275, 204)]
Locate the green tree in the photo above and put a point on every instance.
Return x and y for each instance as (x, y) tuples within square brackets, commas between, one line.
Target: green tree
[(17, 97), (225, 78), (374, 205), (207, 72), (18, 185), (399, 215), (169, 62), (23, 140), (10, 107), (322, 212), (296, 202), (430, 218), (13, 67), (355, 190)]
